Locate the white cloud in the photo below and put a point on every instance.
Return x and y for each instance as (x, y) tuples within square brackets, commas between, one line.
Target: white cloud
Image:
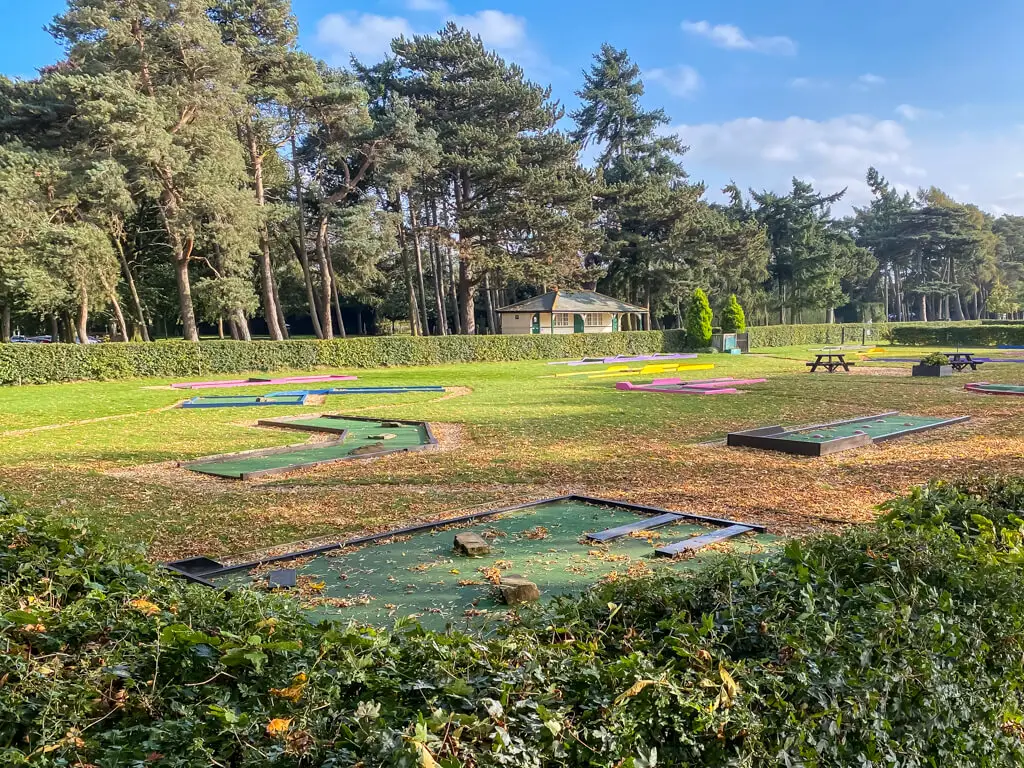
[(868, 81), (502, 31), (681, 81), (733, 38), (808, 83), (364, 35), (910, 112), (435, 6), (836, 153)]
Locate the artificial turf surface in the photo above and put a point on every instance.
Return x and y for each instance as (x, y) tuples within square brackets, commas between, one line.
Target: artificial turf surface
[(882, 427), (107, 452)]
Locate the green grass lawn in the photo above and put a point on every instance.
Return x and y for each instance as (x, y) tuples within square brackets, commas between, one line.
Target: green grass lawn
[(106, 450)]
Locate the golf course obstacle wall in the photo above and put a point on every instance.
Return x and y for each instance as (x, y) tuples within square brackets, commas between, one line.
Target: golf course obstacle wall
[(357, 391), (560, 545), (657, 357), (357, 438), (250, 382), (826, 439), (984, 388), (722, 386), (245, 401)]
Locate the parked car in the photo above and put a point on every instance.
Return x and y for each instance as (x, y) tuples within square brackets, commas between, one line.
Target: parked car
[(39, 339)]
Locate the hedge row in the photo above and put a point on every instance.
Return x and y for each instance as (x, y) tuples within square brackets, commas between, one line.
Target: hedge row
[(896, 644), (824, 333), (1002, 322), (964, 335), (41, 363)]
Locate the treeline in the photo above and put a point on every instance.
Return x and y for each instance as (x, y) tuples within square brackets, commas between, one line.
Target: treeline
[(186, 167)]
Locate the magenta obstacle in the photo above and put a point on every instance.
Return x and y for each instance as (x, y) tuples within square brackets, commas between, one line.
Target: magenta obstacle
[(251, 382), (723, 386)]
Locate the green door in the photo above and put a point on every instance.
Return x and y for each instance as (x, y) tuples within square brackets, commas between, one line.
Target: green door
[(615, 322), (535, 328), (577, 323)]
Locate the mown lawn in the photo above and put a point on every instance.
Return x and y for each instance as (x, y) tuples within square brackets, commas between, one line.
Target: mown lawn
[(106, 451)]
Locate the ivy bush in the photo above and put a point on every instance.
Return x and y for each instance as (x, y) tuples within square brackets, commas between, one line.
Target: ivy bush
[(893, 644), (935, 359)]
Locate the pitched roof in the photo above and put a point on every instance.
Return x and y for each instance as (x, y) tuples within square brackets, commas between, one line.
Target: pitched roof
[(572, 301)]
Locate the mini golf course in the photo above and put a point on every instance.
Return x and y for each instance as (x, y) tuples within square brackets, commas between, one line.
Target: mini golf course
[(245, 401), (249, 382), (985, 388), (825, 439), (722, 386), (561, 545), (356, 438)]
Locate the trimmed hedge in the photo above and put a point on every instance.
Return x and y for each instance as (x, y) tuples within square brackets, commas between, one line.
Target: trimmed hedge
[(894, 644), (42, 363), (972, 335), (1002, 322), (824, 333)]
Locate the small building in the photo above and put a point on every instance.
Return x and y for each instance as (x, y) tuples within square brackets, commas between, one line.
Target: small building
[(572, 312)]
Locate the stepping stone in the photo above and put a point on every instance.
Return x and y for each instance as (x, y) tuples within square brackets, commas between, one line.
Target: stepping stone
[(517, 589), (640, 525), (383, 436), (283, 578), (368, 449), (471, 545), (698, 542)]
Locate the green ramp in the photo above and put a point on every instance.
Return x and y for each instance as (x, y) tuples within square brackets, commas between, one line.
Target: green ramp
[(357, 438)]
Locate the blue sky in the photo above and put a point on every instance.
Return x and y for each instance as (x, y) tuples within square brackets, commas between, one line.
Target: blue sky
[(928, 91)]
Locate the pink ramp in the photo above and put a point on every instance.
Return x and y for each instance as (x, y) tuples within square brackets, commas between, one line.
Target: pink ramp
[(723, 386), (257, 381)]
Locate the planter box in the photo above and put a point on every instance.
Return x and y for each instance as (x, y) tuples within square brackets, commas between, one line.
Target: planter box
[(932, 370)]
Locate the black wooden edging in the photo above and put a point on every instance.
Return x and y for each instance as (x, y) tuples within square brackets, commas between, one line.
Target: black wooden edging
[(203, 577)]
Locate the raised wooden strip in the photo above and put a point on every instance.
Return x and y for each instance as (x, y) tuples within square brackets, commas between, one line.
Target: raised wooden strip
[(640, 525), (697, 542)]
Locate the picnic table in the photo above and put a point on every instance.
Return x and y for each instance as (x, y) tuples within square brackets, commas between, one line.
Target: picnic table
[(961, 360), (831, 362)]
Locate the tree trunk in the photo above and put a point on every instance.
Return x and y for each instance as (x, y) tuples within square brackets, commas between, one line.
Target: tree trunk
[(82, 319), (492, 322), (325, 277), (54, 328), (189, 329), (923, 309), (414, 310), (301, 249), (281, 322), (5, 322), (132, 290), (220, 327), (452, 286), (334, 296), (243, 325), (122, 326), (467, 302), (307, 278), (266, 268), (414, 232), (435, 253)]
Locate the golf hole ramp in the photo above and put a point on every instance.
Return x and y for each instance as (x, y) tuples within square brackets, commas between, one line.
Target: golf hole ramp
[(562, 545), (826, 439), (355, 437)]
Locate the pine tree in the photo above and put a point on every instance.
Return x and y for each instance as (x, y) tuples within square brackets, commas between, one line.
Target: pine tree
[(698, 320), (733, 319)]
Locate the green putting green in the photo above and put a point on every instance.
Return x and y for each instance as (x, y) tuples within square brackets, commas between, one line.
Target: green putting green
[(878, 428), (355, 438), (420, 575)]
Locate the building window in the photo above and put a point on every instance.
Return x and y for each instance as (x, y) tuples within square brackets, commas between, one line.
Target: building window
[(561, 320), (593, 318), (517, 317)]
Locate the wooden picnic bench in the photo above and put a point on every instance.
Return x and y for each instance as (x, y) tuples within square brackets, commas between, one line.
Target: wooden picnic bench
[(962, 360), (831, 362)]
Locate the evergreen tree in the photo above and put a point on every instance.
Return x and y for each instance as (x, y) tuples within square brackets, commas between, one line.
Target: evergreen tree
[(733, 319), (698, 320)]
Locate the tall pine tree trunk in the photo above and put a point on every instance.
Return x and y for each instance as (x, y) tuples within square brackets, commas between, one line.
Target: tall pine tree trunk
[(122, 326), (414, 310), (325, 277), (140, 313), (5, 322), (281, 322), (243, 325), (266, 268), (453, 288), (435, 257), (414, 233), (335, 297), (300, 249), (82, 319)]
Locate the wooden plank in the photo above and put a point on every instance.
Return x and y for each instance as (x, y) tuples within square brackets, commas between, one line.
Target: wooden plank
[(698, 542), (640, 525)]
